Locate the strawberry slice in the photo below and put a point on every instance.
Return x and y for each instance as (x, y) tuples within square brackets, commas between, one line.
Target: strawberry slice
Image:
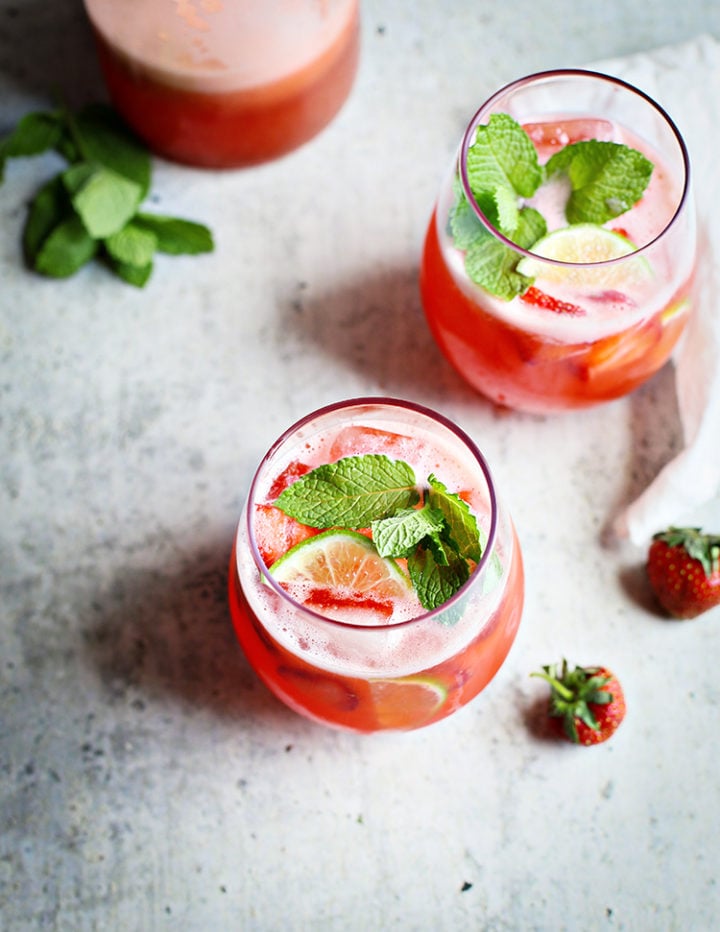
[(540, 299), (292, 472), (276, 532), (612, 296), (621, 350), (325, 601), (557, 133)]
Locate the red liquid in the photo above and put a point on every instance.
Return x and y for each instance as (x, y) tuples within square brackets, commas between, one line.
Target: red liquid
[(232, 129), (528, 370), (369, 705)]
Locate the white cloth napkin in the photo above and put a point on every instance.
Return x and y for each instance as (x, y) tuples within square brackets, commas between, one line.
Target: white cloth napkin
[(685, 80)]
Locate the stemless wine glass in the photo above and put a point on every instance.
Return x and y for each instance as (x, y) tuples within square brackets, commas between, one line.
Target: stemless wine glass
[(594, 310), (226, 83), (360, 667)]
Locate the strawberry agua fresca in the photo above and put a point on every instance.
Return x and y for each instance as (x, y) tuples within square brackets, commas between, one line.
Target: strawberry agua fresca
[(558, 262), (376, 582), (227, 83)]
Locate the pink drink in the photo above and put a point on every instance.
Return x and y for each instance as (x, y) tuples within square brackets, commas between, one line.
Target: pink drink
[(369, 663), (585, 333), (225, 83)]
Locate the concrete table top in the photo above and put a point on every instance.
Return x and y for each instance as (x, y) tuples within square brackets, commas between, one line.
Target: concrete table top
[(147, 779)]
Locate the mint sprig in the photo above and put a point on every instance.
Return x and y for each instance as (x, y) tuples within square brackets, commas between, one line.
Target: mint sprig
[(606, 179), (440, 538), (461, 522), (92, 208)]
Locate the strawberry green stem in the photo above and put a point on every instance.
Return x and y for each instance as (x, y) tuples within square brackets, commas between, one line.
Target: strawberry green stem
[(559, 687)]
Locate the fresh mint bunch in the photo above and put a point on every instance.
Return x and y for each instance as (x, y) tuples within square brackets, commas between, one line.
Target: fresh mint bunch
[(606, 179), (92, 208), (440, 539)]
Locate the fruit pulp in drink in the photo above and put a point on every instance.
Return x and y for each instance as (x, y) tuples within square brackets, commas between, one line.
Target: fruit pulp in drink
[(228, 83), (565, 344), (386, 668)]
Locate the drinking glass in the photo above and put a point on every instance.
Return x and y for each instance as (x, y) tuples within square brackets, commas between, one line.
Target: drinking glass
[(363, 671), (226, 83), (588, 328)]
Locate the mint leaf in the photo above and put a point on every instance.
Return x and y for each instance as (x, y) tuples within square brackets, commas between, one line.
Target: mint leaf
[(502, 157), (607, 178), (500, 207), (531, 227), (491, 264), (66, 249), (399, 534), (351, 493), (462, 526), (176, 236), (463, 224), (103, 137), (77, 175), (104, 200), (502, 166), (433, 582), (47, 209), (136, 275), (34, 134), (132, 245)]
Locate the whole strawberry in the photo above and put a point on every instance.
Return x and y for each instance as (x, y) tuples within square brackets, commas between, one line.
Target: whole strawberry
[(588, 701), (683, 567)]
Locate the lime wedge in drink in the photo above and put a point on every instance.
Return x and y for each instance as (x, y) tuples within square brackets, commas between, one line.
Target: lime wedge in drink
[(407, 702), (580, 244), (342, 562)]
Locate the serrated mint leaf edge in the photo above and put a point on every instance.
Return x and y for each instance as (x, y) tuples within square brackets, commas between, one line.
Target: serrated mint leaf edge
[(346, 493), (398, 535), (493, 267), (434, 583), (463, 530)]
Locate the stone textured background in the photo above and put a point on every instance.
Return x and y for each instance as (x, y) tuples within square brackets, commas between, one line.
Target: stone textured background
[(147, 780)]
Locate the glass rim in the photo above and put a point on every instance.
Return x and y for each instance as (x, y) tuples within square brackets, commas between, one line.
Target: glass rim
[(388, 402), (539, 76)]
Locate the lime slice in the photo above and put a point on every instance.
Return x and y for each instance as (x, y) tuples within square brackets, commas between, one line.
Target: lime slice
[(407, 702), (675, 310), (583, 243), (344, 562)]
